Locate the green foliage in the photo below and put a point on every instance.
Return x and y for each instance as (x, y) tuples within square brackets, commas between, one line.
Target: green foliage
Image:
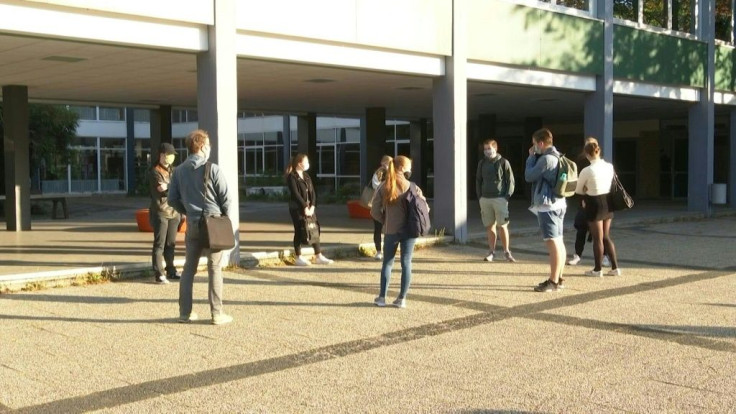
[(51, 130)]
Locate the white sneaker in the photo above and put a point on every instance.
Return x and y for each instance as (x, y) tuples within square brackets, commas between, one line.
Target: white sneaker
[(323, 260), (605, 262), (399, 303), (595, 273), (300, 261), (488, 258), (575, 260), (614, 272), (380, 301), (221, 319), (378, 256)]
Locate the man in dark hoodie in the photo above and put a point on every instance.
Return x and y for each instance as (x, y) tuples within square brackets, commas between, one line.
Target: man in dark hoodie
[(494, 185), (188, 196)]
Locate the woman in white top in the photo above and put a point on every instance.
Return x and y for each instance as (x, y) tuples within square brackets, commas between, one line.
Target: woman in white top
[(594, 183)]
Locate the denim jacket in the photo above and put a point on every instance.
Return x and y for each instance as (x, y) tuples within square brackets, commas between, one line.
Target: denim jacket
[(541, 172)]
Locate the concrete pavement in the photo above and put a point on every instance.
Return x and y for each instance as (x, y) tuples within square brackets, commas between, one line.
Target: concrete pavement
[(474, 338), (101, 235)]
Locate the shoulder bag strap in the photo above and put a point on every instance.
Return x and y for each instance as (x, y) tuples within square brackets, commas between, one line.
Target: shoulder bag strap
[(207, 169)]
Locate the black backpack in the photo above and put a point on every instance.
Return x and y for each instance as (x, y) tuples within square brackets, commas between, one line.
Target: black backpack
[(417, 214)]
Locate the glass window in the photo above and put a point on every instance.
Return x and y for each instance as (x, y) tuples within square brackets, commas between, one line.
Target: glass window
[(253, 138), (192, 115), (723, 20), (625, 9), (326, 159), (142, 115), (682, 15), (326, 135), (575, 4), (85, 112), (112, 114), (112, 158), (655, 13)]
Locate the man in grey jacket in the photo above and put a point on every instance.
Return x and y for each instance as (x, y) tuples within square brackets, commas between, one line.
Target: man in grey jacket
[(494, 185), (188, 196)]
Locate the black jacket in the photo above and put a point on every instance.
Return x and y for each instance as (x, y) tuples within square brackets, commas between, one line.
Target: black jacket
[(301, 192)]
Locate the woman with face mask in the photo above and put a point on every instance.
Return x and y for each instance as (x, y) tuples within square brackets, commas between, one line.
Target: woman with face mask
[(378, 178), (302, 203), (389, 208)]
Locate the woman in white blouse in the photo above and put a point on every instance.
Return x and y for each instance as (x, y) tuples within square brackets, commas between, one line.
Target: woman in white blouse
[(594, 183)]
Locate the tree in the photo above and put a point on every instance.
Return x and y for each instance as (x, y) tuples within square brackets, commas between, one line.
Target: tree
[(51, 130)]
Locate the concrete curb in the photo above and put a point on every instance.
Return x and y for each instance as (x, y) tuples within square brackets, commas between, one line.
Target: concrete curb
[(101, 274)]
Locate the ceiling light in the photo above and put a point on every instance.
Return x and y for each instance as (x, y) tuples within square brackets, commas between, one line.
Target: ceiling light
[(67, 59), (319, 80)]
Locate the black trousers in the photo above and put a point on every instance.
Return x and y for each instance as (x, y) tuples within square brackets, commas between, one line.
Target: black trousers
[(297, 219), (164, 243)]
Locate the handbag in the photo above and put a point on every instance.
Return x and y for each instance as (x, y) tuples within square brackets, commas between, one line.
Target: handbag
[(618, 198), (215, 232), (310, 230), (366, 197)]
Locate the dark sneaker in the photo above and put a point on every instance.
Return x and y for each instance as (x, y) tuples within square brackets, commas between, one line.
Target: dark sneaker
[(175, 276), (546, 286), (161, 280), (560, 284)]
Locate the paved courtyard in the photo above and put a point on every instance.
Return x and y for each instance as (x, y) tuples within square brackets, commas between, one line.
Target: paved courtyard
[(474, 338)]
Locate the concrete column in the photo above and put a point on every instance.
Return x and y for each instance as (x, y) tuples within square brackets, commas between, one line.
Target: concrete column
[(450, 114), (160, 130), (598, 112), (217, 103), (372, 142), (16, 156), (306, 131), (418, 152), (130, 149), (701, 121), (731, 192)]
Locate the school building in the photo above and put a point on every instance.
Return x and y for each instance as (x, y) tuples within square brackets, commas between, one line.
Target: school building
[(347, 81)]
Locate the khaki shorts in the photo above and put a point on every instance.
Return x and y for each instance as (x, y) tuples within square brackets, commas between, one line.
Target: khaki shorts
[(494, 211)]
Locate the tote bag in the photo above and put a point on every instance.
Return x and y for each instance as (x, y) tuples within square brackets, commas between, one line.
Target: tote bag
[(618, 198), (215, 232)]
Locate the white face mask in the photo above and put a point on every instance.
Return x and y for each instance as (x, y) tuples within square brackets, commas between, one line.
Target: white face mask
[(305, 166), (206, 150), (170, 159), (537, 149), (490, 152)]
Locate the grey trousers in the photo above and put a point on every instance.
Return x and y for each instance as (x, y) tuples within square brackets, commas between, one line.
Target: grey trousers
[(214, 272)]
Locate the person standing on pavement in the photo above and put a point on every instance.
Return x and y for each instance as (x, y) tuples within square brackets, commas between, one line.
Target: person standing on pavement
[(378, 178), (494, 186), (580, 223), (390, 208), (541, 171), (302, 202), (188, 196), (163, 218), (594, 183)]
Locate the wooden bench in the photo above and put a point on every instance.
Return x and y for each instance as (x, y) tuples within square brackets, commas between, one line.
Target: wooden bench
[(56, 200)]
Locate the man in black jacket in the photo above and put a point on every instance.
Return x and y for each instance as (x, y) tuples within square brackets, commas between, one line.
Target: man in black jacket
[(164, 219), (494, 185)]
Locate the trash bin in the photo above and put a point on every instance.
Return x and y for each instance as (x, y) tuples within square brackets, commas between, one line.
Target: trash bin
[(718, 193)]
